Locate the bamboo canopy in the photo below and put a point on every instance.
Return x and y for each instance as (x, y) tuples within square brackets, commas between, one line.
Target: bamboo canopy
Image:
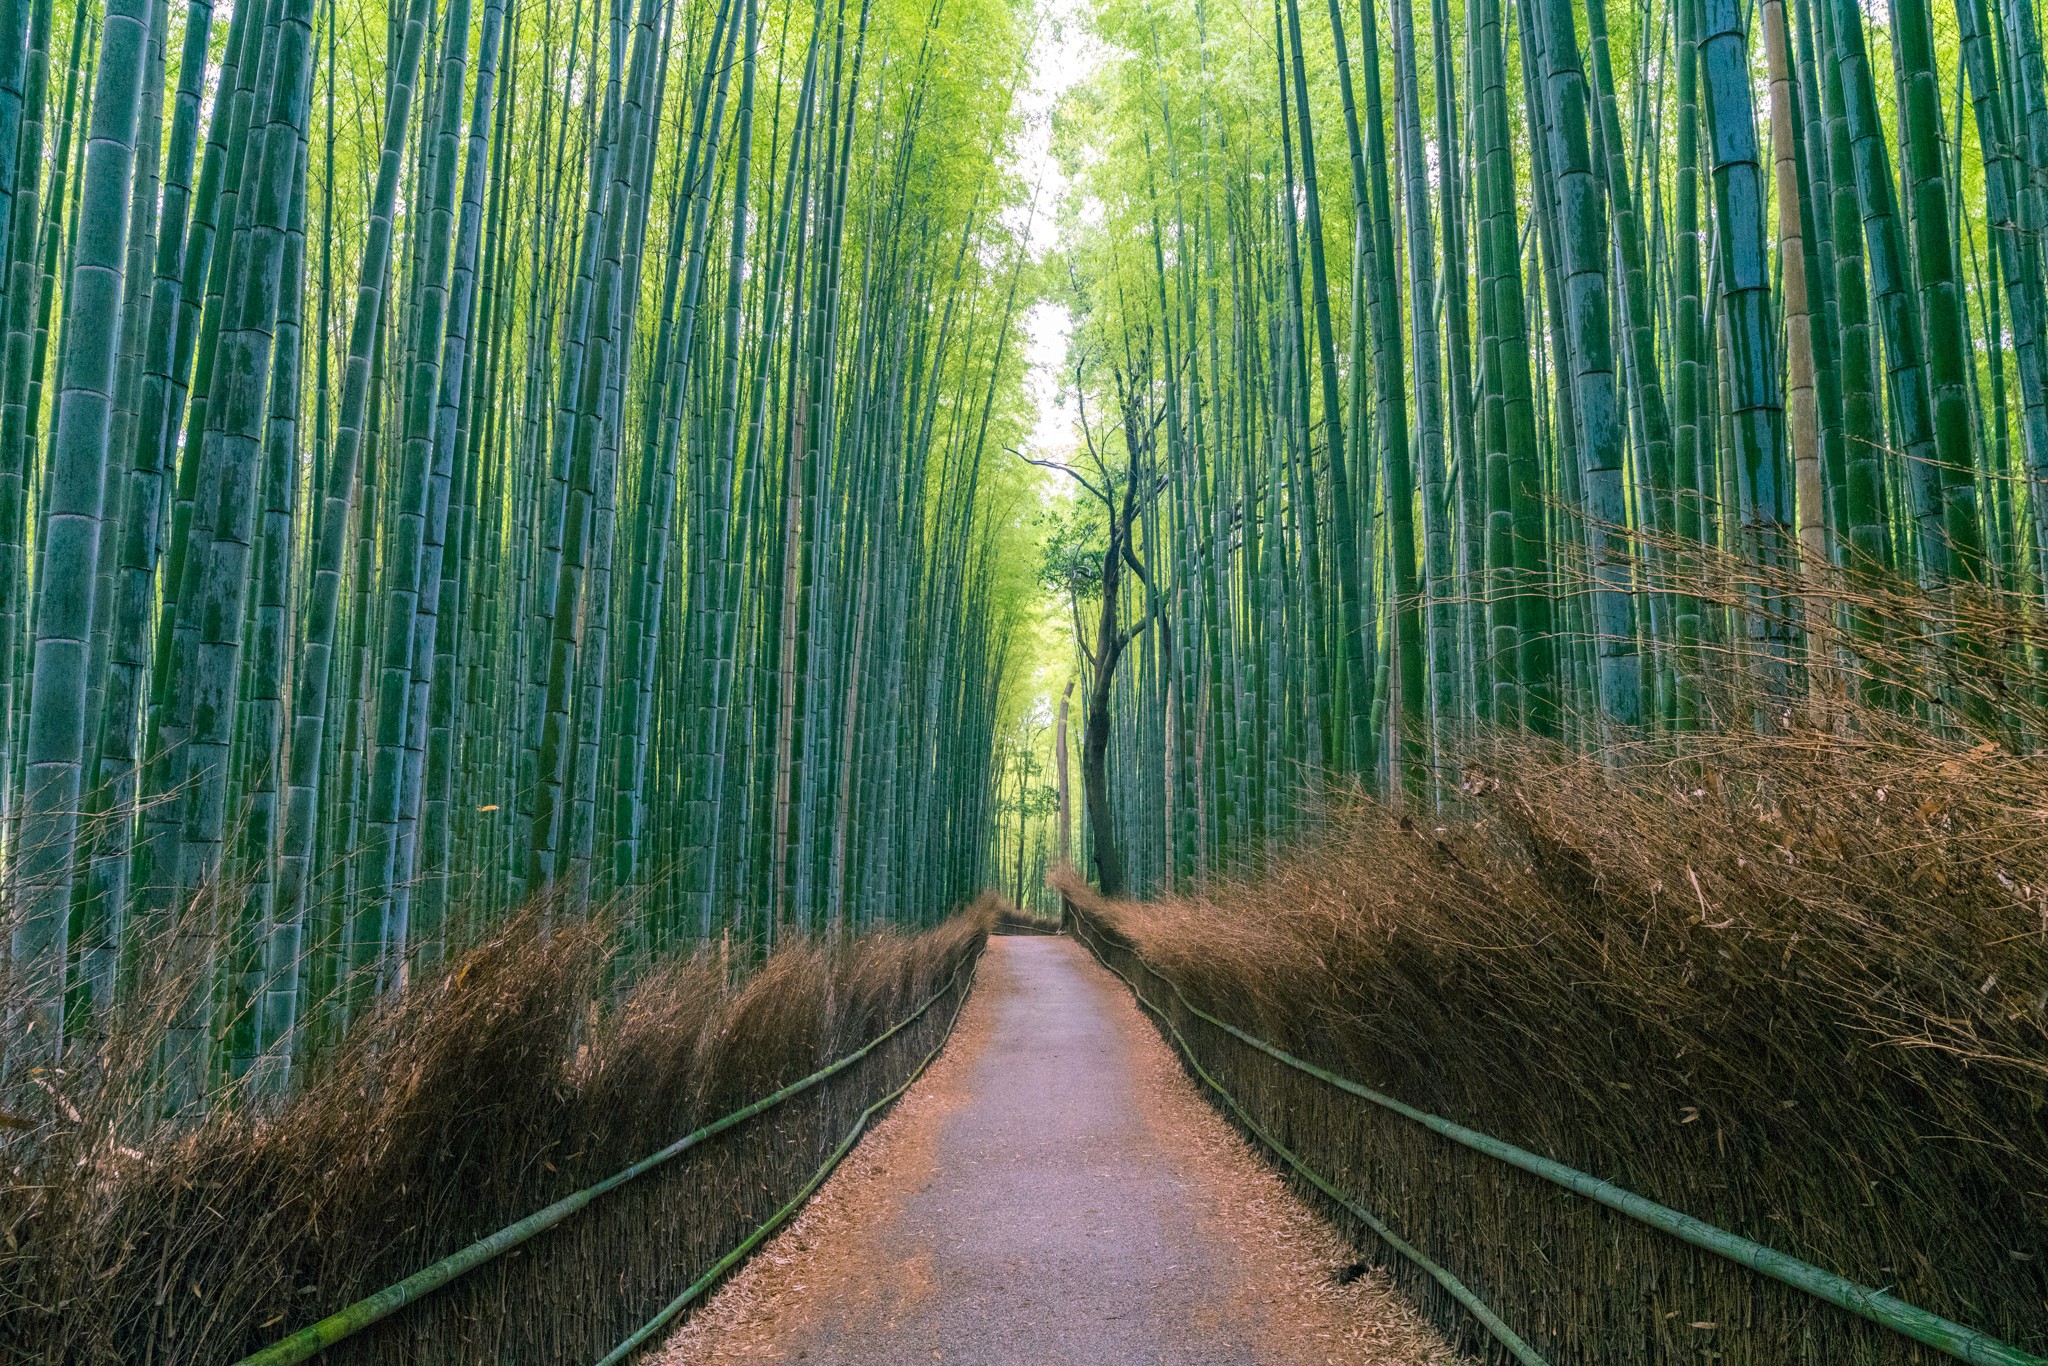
[(459, 454)]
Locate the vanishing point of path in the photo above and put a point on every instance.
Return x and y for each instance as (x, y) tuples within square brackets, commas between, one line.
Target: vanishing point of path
[(1054, 1193)]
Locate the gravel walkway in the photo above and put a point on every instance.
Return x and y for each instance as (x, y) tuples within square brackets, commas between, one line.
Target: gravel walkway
[(1054, 1191)]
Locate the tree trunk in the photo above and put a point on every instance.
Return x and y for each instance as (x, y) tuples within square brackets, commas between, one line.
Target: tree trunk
[(1109, 647), (1060, 762)]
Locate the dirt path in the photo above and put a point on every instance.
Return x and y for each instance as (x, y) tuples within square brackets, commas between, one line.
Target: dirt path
[(1054, 1191)]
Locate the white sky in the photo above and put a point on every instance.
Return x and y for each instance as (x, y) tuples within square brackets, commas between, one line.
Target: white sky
[(1063, 56)]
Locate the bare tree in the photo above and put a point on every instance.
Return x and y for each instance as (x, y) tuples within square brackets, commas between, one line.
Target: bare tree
[(1123, 497)]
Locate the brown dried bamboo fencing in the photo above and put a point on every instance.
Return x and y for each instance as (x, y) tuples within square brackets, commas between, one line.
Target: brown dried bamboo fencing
[(578, 1289), (1563, 1278)]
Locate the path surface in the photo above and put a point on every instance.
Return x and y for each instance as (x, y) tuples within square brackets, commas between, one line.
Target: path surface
[(1054, 1192)]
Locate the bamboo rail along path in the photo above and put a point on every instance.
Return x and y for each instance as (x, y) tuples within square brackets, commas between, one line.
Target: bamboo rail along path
[(1354, 1145), (345, 1325)]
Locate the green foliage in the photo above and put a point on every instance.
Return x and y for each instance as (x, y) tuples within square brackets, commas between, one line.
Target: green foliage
[(1070, 557), (1560, 267), (460, 455)]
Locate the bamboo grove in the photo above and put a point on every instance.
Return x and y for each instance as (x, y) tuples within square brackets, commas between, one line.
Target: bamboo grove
[(1467, 370), (466, 453)]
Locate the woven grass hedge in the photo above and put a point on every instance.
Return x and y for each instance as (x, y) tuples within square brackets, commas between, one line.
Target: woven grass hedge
[(1801, 998), (468, 1105)]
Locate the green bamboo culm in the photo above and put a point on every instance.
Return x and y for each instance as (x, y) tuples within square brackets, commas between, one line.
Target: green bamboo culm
[(570, 454), (1706, 424), (69, 551), (562, 559)]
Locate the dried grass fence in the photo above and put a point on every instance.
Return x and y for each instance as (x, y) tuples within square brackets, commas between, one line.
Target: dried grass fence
[(466, 1107), (1803, 999)]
